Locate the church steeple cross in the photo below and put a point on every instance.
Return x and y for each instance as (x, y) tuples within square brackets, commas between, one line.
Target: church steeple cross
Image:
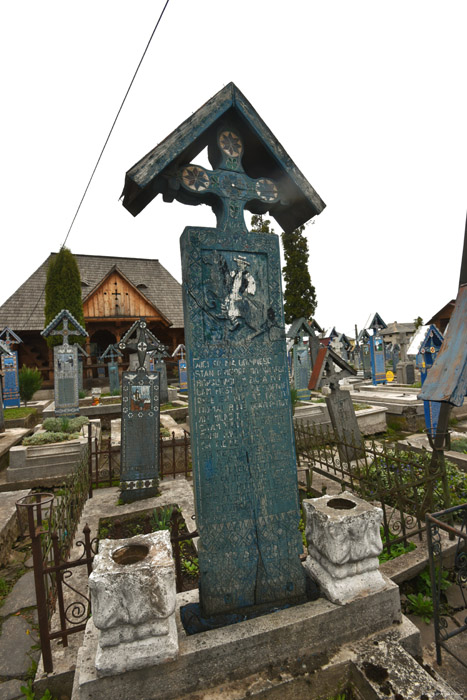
[(116, 294), (232, 187)]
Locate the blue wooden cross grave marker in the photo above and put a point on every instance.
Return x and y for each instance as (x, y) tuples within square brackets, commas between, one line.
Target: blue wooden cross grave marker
[(301, 359), (427, 353), (4, 351), (182, 375), (244, 466), (139, 463), (111, 353), (11, 397), (66, 370), (377, 351)]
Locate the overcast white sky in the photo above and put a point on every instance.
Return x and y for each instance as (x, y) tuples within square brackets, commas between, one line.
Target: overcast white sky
[(367, 97)]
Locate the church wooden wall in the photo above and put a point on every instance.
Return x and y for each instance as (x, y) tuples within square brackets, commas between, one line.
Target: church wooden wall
[(104, 303)]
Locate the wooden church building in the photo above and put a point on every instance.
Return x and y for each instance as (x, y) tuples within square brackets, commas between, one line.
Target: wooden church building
[(115, 291)]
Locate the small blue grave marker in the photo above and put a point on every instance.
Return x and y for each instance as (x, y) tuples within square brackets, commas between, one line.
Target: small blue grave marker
[(4, 351), (182, 375), (377, 351), (111, 353), (139, 468), (427, 353), (66, 370), (157, 364), (11, 397), (301, 359)]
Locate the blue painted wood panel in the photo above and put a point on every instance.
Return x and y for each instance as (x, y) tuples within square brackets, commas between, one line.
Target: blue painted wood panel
[(244, 464)]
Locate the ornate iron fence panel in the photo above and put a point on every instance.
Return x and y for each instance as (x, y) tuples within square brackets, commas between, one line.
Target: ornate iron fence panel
[(51, 524), (404, 484), (444, 616)]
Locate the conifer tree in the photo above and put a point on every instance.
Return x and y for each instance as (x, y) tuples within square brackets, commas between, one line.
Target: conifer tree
[(299, 294), (63, 291)]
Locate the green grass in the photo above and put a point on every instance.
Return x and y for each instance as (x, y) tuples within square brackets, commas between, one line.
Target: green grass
[(168, 406), (396, 549), (361, 406), (15, 413), (459, 445)]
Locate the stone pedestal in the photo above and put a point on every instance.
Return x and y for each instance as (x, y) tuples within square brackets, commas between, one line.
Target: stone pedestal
[(405, 373), (344, 542), (133, 603)]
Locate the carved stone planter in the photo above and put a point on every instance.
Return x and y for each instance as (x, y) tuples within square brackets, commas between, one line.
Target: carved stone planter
[(133, 602), (344, 542)]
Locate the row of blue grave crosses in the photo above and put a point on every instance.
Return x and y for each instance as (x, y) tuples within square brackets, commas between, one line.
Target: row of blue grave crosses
[(9, 364), (66, 368), (139, 462), (244, 467), (4, 352)]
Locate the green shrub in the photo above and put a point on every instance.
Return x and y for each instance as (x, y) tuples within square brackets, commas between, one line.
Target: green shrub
[(65, 425), (396, 469), (420, 605), (397, 550), (48, 437), (30, 381)]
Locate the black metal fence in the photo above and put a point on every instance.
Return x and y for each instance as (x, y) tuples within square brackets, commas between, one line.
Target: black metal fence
[(448, 621), (404, 484), (104, 459)]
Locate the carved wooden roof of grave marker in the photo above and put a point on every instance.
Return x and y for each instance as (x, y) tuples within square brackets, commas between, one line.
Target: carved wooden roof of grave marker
[(111, 352), (9, 337), (267, 172), (65, 317), (375, 322), (299, 328), (447, 379)]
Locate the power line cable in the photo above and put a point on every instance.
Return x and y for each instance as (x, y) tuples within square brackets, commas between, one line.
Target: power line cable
[(115, 121), (104, 146)]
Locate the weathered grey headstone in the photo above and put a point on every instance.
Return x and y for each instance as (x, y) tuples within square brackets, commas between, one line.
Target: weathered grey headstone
[(244, 462), (66, 370), (339, 404), (405, 371), (139, 464)]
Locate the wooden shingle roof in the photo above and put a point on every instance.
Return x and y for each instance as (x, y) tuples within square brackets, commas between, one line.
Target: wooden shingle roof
[(24, 310)]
